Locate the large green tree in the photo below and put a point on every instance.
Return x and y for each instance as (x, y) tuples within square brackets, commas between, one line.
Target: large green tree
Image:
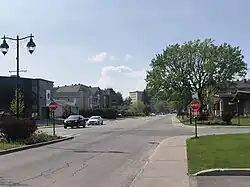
[(193, 67)]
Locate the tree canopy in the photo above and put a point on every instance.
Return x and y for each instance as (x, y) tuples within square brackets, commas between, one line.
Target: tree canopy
[(119, 98), (194, 66)]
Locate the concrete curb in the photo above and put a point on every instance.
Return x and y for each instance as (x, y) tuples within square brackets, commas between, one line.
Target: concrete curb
[(224, 172), (45, 126), (13, 150), (229, 126)]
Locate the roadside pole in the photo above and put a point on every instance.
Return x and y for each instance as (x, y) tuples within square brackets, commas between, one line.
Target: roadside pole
[(53, 107), (195, 127), (54, 126), (195, 106)]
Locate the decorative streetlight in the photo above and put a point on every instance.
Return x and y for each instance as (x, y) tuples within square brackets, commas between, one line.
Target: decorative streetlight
[(4, 47)]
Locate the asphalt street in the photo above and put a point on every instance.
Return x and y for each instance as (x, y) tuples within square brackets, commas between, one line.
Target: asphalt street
[(99, 156), (109, 155)]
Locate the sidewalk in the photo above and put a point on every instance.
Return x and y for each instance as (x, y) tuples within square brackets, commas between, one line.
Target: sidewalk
[(176, 122), (167, 166)]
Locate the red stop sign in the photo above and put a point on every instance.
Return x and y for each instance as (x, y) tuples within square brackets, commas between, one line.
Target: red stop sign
[(53, 106), (195, 105)]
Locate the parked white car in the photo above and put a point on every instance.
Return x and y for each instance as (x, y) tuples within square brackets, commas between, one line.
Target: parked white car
[(95, 120)]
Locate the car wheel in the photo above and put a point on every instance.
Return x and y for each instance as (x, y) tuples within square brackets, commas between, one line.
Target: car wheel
[(65, 127), (102, 123)]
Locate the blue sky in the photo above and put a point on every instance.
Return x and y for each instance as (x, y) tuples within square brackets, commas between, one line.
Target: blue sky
[(110, 43)]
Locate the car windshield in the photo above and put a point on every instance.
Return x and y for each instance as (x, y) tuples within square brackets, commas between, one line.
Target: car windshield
[(75, 117), (95, 117)]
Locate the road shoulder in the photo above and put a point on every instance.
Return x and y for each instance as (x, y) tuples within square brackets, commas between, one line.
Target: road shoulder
[(167, 166)]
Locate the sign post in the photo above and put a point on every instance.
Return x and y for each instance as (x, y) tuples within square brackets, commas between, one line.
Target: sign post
[(53, 107), (195, 106)]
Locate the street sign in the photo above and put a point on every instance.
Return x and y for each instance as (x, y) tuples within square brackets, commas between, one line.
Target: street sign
[(195, 113), (53, 106), (195, 105)]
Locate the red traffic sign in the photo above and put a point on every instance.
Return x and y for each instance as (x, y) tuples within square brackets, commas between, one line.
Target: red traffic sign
[(195, 113), (53, 106), (195, 105)]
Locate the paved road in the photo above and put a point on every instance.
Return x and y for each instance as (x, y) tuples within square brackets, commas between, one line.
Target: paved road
[(101, 156)]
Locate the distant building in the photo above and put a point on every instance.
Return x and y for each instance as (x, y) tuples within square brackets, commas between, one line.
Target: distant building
[(136, 96), (34, 91), (76, 93), (86, 97), (235, 99)]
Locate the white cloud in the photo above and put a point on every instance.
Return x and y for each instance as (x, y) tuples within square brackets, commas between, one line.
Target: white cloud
[(128, 57), (114, 58), (122, 78), (98, 57)]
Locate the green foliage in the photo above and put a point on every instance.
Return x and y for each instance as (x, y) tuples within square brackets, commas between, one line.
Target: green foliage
[(137, 108), (175, 105), (193, 67), (145, 97), (127, 101), (119, 98), (106, 113), (15, 129), (13, 103), (227, 117), (39, 137), (147, 110), (161, 106)]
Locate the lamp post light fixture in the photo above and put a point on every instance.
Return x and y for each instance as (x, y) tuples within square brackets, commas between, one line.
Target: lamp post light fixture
[(4, 47)]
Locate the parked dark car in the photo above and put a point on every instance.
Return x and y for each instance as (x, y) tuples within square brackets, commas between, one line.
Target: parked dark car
[(75, 121)]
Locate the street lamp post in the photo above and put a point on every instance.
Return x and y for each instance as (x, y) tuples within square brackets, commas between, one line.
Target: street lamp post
[(238, 111), (5, 47), (237, 103)]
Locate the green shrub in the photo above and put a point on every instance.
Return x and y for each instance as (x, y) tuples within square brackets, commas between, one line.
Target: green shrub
[(15, 129), (227, 117), (39, 137)]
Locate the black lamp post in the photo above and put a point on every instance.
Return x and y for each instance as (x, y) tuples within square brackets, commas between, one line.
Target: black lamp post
[(238, 111), (237, 103), (5, 47)]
